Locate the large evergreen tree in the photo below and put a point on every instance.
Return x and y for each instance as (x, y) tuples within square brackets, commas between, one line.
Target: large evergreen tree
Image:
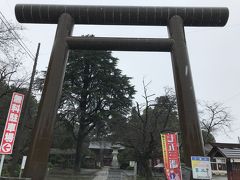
[(94, 89)]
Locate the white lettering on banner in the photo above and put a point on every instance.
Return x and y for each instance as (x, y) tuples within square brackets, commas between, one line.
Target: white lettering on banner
[(173, 164), (16, 108), (13, 117), (9, 137), (18, 99), (11, 127), (170, 140), (171, 147)]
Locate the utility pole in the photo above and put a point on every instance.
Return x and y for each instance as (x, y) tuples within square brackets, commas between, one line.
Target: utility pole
[(29, 92), (19, 138)]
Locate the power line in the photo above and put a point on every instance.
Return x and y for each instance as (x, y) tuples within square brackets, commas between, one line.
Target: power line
[(16, 36), (17, 39)]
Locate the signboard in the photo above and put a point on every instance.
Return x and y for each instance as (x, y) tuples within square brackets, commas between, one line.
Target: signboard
[(11, 125), (171, 156), (201, 167), (23, 162)]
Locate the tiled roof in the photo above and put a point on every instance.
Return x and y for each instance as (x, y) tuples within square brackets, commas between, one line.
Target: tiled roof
[(227, 150), (104, 145), (233, 153), (100, 145)]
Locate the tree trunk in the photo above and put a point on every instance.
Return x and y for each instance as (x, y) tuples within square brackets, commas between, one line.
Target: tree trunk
[(82, 128), (78, 155), (144, 169)]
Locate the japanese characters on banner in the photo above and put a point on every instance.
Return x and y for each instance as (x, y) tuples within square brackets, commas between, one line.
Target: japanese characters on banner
[(11, 125), (171, 156)]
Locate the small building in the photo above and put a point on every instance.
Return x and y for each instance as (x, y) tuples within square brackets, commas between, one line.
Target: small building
[(225, 159), (103, 151)]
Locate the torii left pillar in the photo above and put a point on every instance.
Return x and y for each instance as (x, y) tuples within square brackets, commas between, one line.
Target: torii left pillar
[(38, 156)]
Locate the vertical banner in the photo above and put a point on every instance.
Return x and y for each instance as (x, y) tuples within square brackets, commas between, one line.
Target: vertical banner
[(11, 125), (171, 156)]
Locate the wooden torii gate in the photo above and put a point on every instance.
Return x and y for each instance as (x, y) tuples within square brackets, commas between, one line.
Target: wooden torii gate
[(175, 18)]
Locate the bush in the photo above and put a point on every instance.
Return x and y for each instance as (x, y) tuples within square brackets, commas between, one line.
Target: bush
[(129, 168)]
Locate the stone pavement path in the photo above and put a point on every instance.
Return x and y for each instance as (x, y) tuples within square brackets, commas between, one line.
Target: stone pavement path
[(108, 174), (102, 174), (114, 174)]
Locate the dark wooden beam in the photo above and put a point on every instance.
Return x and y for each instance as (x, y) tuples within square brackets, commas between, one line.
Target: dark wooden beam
[(122, 15), (120, 44)]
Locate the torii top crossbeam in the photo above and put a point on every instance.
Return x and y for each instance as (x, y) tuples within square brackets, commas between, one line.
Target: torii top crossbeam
[(121, 15)]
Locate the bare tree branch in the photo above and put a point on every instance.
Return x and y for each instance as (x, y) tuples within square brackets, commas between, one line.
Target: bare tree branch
[(215, 117)]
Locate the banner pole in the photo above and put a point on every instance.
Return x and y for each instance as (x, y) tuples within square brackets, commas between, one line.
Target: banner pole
[(1, 164)]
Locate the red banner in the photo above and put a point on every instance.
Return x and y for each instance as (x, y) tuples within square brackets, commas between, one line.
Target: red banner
[(171, 156), (11, 125)]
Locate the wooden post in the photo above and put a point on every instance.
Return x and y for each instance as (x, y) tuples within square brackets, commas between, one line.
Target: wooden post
[(37, 160)]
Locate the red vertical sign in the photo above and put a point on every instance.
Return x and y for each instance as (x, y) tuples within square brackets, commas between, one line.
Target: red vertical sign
[(171, 156), (11, 125)]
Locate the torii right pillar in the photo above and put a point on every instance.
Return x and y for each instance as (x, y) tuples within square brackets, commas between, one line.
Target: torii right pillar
[(187, 108)]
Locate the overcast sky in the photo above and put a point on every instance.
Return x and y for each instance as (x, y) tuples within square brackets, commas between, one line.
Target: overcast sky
[(213, 52)]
